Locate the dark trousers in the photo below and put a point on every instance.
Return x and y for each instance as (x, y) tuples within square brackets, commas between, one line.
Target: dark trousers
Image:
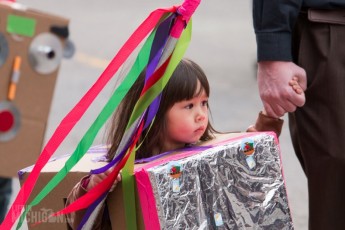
[(318, 128), (5, 195)]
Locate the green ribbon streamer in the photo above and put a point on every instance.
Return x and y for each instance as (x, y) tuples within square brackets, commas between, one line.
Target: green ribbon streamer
[(128, 188), (146, 99), (128, 182), (87, 140)]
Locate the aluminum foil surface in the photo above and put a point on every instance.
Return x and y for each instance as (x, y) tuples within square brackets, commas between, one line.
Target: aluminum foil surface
[(238, 185)]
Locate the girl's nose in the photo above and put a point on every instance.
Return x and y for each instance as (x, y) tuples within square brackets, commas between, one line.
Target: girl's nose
[(201, 115)]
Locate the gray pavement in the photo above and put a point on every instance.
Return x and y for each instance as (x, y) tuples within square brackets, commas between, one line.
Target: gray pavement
[(222, 43)]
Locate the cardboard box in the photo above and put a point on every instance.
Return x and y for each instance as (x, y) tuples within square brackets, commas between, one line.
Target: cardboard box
[(55, 200), (19, 29), (275, 195)]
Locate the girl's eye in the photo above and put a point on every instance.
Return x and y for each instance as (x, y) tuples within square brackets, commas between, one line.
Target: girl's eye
[(189, 106), (205, 103)]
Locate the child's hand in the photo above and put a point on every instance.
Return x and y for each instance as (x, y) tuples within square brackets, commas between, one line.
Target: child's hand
[(294, 84), (118, 179), (95, 179)]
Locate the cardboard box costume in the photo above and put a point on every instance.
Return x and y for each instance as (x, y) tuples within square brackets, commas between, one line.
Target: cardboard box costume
[(237, 184)]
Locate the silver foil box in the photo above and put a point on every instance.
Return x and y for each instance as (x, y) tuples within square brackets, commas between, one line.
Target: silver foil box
[(223, 188)]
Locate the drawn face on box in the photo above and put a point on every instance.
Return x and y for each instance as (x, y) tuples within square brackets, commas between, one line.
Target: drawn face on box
[(31, 50)]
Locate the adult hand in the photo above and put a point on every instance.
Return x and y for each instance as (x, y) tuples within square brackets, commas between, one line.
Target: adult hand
[(277, 95)]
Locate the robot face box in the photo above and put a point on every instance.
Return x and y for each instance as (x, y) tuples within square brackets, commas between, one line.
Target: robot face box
[(31, 49)]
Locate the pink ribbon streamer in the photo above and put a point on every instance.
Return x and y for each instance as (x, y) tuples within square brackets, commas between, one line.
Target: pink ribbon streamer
[(77, 112), (70, 120), (186, 10)]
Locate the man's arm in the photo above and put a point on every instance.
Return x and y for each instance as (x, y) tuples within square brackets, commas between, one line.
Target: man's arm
[(273, 23)]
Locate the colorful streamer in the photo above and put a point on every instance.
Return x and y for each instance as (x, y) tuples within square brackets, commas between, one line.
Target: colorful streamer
[(90, 135), (162, 51), (77, 112)]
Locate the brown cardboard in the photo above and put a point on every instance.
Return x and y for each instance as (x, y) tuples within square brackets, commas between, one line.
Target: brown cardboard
[(34, 91), (55, 200)]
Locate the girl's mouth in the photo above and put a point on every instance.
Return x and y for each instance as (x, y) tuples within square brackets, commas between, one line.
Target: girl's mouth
[(201, 129)]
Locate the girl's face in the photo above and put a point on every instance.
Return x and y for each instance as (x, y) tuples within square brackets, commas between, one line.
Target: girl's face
[(186, 121)]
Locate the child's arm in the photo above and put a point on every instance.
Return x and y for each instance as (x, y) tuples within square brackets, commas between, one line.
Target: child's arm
[(95, 179), (74, 218), (266, 123), (85, 184)]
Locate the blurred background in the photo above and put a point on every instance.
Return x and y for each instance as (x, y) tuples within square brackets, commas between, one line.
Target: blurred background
[(223, 44)]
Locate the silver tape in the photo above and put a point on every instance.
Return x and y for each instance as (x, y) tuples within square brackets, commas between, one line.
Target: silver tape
[(45, 53), (69, 49), (3, 49)]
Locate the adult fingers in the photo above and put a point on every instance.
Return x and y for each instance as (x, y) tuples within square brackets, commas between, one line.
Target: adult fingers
[(289, 106), (298, 99), (274, 110), (279, 108)]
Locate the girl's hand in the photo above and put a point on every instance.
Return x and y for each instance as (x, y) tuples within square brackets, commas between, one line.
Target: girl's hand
[(118, 179), (95, 179), (295, 85)]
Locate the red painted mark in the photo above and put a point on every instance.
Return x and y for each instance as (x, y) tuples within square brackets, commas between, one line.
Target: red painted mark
[(6, 120)]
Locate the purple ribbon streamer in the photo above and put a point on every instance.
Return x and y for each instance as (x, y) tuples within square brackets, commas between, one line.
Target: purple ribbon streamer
[(90, 210), (158, 44)]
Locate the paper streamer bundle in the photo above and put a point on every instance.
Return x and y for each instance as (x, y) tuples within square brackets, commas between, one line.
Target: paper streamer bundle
[(164, 36)]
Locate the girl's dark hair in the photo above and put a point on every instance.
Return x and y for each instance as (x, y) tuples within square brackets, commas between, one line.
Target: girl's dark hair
[(181, 86)]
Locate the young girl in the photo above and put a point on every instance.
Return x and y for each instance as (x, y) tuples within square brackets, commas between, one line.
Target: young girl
[(182, 119)]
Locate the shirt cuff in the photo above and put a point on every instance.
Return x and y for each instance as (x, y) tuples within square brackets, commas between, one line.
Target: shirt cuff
[(274, 47), (266, 123)]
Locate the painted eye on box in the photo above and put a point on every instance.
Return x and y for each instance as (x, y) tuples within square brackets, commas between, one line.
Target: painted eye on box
[(45, 53)]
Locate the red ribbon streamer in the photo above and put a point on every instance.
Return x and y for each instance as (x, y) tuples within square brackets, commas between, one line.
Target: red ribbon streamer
[(77, 112), (97, 191)]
